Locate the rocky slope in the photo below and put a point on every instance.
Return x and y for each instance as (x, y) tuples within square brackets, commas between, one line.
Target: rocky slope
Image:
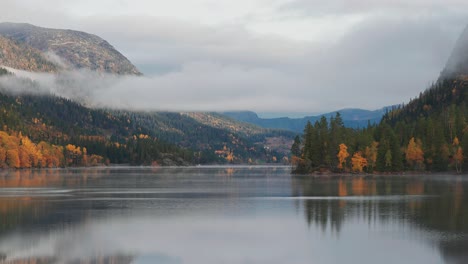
[(23, 57), (74, 48)]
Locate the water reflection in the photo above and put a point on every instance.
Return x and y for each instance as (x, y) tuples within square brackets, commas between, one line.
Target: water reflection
[(435, 206), (54, 260), (229, 215)]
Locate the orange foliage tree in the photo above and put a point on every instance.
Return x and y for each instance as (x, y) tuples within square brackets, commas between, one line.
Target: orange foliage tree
[(18, 151), (358, 162), (12, 158), (415, 154), (230, 156)]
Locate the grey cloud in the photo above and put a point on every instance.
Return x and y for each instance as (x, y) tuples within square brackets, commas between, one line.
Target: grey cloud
[(162, 41), (396, 7), (383, 60)]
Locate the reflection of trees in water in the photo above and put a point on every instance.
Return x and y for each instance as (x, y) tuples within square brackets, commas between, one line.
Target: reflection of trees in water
[(442, 210), (49, 177), (28, 205)]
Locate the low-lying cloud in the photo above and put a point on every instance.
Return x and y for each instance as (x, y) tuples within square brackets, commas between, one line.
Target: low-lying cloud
[(197, 87)]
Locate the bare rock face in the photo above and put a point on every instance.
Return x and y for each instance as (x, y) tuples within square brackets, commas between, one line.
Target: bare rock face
[(23, 57), (74, 48)]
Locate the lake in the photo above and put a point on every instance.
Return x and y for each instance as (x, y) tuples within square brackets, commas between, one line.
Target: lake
[(123, 215)]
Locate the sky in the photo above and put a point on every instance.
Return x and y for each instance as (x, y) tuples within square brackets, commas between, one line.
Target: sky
[(269, 56)]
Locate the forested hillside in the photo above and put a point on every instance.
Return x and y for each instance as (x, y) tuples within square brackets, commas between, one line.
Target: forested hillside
[(136, 138), (429, 133), (70, 126)]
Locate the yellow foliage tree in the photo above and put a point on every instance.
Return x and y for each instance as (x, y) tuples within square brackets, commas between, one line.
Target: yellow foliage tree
[(33, 152), (73, 154), (342, 156), (18, 151)]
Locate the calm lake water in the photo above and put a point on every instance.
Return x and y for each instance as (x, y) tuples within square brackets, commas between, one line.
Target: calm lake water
[(230, 215)]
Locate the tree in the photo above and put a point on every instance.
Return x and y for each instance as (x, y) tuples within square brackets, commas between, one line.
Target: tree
[(12, 158), (415, 154), (2, 157), (296, 147), (388, 159), (371, 154), (358, 162), (342, 156), (230, 156), (458, 155)]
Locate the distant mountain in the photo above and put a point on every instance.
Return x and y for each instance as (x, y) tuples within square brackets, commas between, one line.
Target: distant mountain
[(74, 49), (353, 118)]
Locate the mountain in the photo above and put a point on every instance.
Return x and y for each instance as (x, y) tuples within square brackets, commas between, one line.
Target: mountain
[(24, 57), (353, 118), (73, 49), (75, 134)]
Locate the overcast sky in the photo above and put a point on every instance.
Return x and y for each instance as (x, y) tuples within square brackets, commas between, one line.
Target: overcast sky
[(267, 55)]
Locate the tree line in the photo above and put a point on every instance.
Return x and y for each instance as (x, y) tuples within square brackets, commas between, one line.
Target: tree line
[(430, 133)]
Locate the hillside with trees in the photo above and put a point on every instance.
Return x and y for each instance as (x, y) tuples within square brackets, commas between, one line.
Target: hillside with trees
[(126, 137), (430, 133)]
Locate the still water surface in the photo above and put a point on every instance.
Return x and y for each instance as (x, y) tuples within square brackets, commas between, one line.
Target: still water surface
[(230, 215)]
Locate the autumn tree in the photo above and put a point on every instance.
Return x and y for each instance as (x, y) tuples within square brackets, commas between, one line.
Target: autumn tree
[(12, 158), (358, 162), (2, 157), (230, 156), (342, 156), (33, 153), (72, 154), (457, 155), (415, 154), (25, 162)]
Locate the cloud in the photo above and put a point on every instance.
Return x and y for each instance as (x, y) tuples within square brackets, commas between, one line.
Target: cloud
[(397, 7), (385, 53)]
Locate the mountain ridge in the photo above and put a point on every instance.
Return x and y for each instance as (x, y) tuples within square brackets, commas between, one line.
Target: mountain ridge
[(352, 117), (76, 49)]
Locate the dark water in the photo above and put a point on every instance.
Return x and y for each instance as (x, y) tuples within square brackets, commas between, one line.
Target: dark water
[(230, 215)]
